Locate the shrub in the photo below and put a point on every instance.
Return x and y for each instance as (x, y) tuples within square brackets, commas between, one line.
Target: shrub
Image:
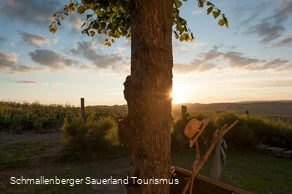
[(179, 140), (240, 136), (90, 136), (248, 132)]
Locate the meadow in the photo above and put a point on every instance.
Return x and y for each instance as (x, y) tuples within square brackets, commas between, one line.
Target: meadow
[(52, 140)]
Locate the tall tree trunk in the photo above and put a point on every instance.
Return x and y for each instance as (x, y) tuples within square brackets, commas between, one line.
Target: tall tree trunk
[(145, 132)]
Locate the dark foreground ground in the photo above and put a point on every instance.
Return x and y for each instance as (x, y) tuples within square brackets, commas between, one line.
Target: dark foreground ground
[(34, 155)]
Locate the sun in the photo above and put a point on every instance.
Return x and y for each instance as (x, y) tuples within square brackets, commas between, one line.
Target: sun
[(178, 93)]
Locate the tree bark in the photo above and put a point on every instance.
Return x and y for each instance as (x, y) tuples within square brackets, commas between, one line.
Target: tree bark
[(145, 132)]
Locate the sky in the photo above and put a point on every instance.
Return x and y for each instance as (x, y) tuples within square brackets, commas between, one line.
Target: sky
[(249, 61)]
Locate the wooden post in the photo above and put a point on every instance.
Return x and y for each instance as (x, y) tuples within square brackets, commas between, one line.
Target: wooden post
[(246, 112), (183, 112), (82, 109)]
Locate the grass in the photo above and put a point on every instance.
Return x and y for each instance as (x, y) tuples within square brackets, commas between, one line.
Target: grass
[(252, 171), (16, 155), (34, 166), (95, 170)]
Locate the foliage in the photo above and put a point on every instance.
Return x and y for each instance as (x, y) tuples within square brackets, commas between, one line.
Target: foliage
[(34, 116), (113, 18), (94, 135), (19, 117), (248, 132)]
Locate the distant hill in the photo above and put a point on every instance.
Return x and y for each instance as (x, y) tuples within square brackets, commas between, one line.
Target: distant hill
[(119, 107), (265, 108)]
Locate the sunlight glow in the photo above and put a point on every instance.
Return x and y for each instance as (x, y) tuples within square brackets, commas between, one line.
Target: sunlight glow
[(179, 93)]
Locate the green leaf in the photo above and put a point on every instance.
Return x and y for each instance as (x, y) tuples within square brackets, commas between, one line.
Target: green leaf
[(182, 21), (58, 21), (117, 34), (209, 3), (215, 14), (184, 37), (209, 10), (103, 24), (53, 30), (113, 41), (110, 26), (221, 22), (92, 33), (177, 3), (66, 14), (201, 3), (88, 16), (85, 31), (81, 10), (106, 43)]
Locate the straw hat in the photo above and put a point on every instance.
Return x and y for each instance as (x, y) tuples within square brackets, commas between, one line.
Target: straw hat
[(193, 127)]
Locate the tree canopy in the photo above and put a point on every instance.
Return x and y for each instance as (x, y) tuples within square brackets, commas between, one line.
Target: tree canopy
[(113, 18)]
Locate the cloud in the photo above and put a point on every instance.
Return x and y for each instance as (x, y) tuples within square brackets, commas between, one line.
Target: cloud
[(285, 41), (279, 83), (75, 22), (7, 59), (37, 12), (2, 40), (56, 40), (269, 27), (185, 47), (51, 59), (253, 11), (272, 84), (101, 61), (30, 82), (267, 31), (120, 50), (197, 12), (283, 12), (237, 59), (34, 39), (84, 66), (10, 64), (27, 82), (195, 66), (128, 43), (251, 18), (234, 60)]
